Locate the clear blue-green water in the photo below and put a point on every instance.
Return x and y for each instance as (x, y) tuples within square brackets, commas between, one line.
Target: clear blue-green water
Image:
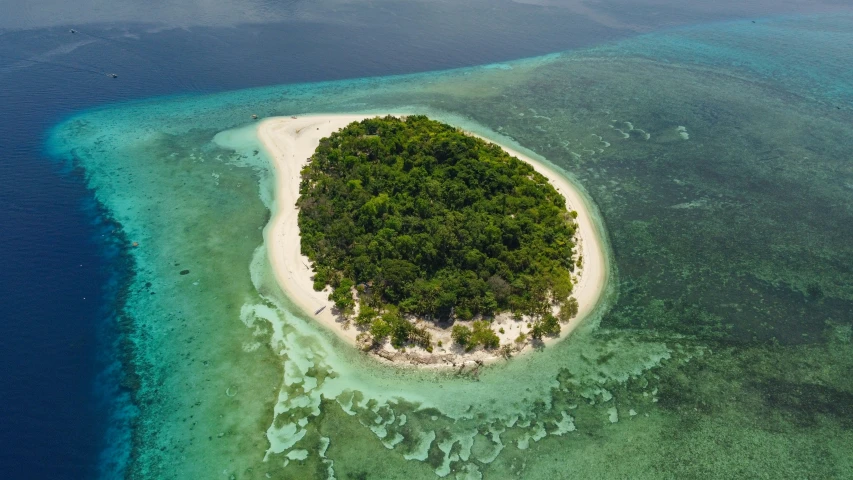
[(718, 159), (727, 247)]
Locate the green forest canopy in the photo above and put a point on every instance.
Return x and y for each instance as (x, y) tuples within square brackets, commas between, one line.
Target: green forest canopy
[(426, 220)]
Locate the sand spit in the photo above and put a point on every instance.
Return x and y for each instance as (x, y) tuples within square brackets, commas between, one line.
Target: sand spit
[(290, 142)]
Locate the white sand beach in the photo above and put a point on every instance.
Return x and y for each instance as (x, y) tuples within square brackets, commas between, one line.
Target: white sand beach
[(290, 142)]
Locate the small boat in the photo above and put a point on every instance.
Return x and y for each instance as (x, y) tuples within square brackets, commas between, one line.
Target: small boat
[(254, 117), (112, 75), (73, 31), (320, 310)]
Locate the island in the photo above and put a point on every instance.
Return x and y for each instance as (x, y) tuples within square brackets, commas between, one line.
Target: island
[(423, 244)]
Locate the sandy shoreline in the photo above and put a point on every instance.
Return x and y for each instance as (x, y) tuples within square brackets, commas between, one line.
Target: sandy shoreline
[(290, 142)]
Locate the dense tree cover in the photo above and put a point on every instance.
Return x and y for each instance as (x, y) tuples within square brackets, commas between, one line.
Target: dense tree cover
[(417, 215)]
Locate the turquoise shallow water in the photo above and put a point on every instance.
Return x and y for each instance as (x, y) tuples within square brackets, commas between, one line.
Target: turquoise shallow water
[(718, 158)]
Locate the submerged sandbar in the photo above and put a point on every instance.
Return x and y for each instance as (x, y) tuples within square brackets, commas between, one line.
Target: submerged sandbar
[(291, 141)]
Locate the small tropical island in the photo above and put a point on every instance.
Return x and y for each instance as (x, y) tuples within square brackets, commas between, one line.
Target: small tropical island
[(423, 244)]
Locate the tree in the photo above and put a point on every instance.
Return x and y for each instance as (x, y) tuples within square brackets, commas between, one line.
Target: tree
[(342, 296), (499, 287), (481, 335), (484, 335), (462, 336), (397, 277), (548, 326), (402, 332), (568, 309), (366, 315)]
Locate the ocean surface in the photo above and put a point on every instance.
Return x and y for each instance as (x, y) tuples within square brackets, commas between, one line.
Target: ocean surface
[(722, 350)]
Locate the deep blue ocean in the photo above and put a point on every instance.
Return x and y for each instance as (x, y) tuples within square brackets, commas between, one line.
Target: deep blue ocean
[(60, 265)]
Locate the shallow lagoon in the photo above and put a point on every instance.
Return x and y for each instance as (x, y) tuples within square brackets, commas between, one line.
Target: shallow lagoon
[(722, 346)]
